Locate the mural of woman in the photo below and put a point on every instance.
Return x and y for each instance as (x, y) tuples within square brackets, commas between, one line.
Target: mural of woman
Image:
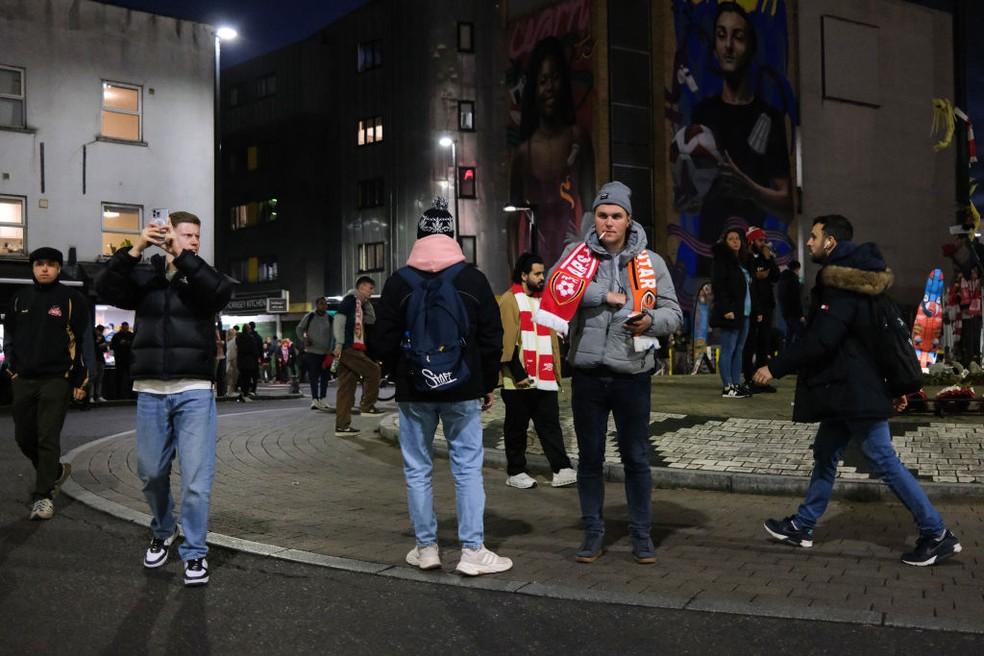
[(750, 135), (553, 166)]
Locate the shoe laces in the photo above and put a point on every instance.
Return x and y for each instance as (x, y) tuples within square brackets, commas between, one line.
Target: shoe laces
[(156, 545), (195, 565)]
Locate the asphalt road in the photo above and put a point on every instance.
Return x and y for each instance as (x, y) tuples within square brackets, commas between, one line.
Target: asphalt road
[(75, 584)]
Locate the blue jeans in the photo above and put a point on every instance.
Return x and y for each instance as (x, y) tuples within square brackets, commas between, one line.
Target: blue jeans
[(317, 376), (627, 398), (182, 423), (732, 346), (463, 431), (876, 444)]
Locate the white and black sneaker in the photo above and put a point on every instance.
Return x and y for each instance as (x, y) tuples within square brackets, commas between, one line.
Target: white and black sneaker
[(158, 550), (196, 572), (731, 392)]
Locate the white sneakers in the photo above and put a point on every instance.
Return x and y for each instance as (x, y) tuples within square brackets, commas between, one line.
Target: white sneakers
[(475, 562), (42, 509), (523, 481), (424, 557), (564, 477)]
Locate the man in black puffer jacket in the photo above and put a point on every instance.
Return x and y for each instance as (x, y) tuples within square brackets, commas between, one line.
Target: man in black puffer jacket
[(176, 299), (839, 385)]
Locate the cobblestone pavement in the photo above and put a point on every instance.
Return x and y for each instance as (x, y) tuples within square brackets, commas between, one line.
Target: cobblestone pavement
[(284, 482)]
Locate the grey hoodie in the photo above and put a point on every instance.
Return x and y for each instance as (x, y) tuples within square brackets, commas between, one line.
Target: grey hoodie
[(318, 329), (598, 333)]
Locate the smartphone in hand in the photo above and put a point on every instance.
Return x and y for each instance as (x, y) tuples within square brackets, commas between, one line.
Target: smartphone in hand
[(634, 319)]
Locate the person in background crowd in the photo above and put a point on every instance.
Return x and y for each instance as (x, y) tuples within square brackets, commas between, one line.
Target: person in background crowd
[(122, 347), (285, 359), (248, 362), (765, 274), (355, 313), (232, 361), (701, 351), (220, 362), (734, 305), (98, 370), (790, 292), (315, 333)]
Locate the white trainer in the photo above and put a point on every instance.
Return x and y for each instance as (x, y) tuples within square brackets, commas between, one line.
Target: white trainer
[(316, 404), (425, 557), (42, 509), (522, 480), (475, 562), (564, 477)]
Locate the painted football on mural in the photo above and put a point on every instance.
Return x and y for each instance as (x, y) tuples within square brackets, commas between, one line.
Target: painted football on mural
[(694, 158)]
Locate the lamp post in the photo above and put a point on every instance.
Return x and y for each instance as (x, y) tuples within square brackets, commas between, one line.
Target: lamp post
[(448, 142), (223, 33), (531, 215)]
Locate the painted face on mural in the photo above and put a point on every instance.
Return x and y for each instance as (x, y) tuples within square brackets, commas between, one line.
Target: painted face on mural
[(548, 81), (731, 42)]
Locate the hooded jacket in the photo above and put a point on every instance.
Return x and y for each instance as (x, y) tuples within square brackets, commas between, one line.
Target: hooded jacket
[(343, 325), (175, 323), (599, 337), (429, 256), (729, 287), (837, 376)]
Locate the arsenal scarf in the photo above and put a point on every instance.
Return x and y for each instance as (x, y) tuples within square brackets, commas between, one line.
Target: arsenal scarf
[(537, 344)]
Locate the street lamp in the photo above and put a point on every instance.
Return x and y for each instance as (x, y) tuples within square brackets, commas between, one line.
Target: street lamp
[(223, 33), (448, 142), (530, 214)]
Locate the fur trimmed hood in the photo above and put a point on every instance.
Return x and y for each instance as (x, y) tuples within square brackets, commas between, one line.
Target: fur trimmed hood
[(857, 268)]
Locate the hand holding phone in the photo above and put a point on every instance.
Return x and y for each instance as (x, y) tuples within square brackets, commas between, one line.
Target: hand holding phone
[(634, 319)]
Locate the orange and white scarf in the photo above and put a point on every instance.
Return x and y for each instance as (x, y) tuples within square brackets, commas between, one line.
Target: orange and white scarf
[(538, 360), (642, 282)]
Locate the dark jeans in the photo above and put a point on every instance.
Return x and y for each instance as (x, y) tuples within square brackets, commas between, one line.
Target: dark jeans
[(220, 377), (541, 406), (247, 381), (96, 379), (758, 344), (627, 398), (39, 411), (317, 376)]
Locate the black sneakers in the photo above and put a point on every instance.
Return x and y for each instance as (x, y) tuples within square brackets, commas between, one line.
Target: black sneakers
[(786, 530), (196, 572), (158, 550), (931, 550)]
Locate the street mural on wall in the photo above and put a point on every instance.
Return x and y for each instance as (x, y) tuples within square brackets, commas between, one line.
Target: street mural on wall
[(732, 114), (550, 83)]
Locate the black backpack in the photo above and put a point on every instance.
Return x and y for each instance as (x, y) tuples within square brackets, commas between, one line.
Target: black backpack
[(890, 344)]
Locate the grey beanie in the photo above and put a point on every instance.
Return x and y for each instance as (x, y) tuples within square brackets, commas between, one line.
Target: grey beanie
[(614, 193)]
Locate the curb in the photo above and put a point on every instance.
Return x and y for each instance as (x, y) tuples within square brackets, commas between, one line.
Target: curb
[(742, 483)]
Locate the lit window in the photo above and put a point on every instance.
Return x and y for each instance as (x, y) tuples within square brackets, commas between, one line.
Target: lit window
[(252, 158), (12, 225), (369, 55), (266, 85), (121, 111), (251, 214), (120, 226), (466, 115), (370, 130), (371, 256), (267, 269), (11, 97), (466, 182), (465, 34), (369, 193)]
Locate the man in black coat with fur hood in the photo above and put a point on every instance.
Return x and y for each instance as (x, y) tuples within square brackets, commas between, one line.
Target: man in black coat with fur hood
[(839, 385)]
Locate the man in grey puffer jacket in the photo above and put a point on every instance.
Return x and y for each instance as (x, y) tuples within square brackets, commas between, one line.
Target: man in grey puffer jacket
[(613, 352)]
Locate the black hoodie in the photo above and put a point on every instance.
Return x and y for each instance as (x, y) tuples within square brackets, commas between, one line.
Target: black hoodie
[(837, 376)]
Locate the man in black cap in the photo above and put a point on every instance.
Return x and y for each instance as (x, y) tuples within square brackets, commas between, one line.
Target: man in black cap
[(43, 332)]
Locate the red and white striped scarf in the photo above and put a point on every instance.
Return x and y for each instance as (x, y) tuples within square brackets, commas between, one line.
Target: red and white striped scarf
[(536, 341)]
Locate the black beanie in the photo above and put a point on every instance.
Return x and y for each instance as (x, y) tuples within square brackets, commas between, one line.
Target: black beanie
[(436, 221), (47, 253)]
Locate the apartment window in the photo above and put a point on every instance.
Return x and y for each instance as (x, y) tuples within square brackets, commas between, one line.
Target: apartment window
[(11, 97), (121, 111), (12, 225), (251, 214), (369, 55), (266, 85), (466, 115), (120, 226), (267, 270), (235, 96), (466, 32), (466, 182), (252, 158), (371, 257), (369, 193), (370, 130), (254, 269)]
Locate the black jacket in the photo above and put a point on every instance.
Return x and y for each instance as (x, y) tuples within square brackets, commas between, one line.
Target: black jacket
[(175, 325), (837, 377), (43, 333), (484, 341), (790, 292), (729, 287), (122, 346), (247, 354), (764, 299)]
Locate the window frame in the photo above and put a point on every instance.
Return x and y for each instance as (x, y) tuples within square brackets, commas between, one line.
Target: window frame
[(262, 88), (379, 256), (22, 225), (365, 127), (139, 113), (22, 98), (374, 48), (470, 26), (105, 206), (461, 127), (370, 193), (474, 183)]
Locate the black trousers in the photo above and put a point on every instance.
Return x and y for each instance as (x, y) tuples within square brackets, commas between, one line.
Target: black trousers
[(39, 411), (542, 407), (247, 381), (758, 345)]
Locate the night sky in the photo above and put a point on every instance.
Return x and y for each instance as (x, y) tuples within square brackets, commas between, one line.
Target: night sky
[(263, 25)]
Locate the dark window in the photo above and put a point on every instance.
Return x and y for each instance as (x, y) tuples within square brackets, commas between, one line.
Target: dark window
[(468, 248), (371, 256), (266, 85), (369, 55), (369, 193), (235, 96), (466, 115), (251, 214), (466, 182), (466, 33), (370, 130)]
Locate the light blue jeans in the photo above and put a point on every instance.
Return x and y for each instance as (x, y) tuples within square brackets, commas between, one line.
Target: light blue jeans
[(182, 423), (876, 444), (463, 431), (732, 346)]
